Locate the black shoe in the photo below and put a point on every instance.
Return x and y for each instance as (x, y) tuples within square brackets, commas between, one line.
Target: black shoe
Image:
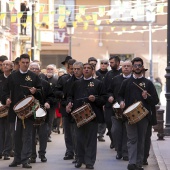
[(32, 160), (27, 165), (12, 154), (125, 158), (139, 167), (14, 164), (75, 161), (54, 130), (58, 131), (89, 166), (118, 156), (68, 157), (112, 145), (132, 167), (145, 162), (100, 139), (6, 157), (43, 158), (49, 140), (0, 156), (78, 165)]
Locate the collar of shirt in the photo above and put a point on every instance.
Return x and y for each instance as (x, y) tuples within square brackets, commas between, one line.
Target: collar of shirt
[(23, 72), (5, 76), (79, 77), (88, 78), (128, 76), (137, 77)]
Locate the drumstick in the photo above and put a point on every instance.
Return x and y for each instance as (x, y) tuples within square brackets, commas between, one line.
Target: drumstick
[(85, 97), (141, 88), (26, 86)]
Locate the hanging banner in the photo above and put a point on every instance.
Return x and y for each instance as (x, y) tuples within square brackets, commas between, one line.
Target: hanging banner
[(13, 17), (60, 35), (19, 15), (62, 9), (94, 16), (41, 8), (101, 12), (82, 10)]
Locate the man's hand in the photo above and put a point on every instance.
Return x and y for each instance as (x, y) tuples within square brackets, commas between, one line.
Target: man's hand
[(92, 98), (33, 90), (8, 101), (46, 105), (110, 99), (122, 104), (68, 107), (144, 94)]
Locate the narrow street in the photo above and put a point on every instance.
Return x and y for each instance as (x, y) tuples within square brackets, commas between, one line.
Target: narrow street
[(105, 158)]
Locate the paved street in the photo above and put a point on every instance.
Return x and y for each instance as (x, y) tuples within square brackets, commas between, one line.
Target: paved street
[(56, 149)]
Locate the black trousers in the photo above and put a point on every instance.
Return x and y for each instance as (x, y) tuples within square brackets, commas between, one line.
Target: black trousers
[(68, 137), (5, 137), (51, 114), (23, 141), (108, 113), (87, 143), (42, 134)]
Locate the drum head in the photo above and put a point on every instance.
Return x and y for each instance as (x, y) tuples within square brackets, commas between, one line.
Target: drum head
[(23, 102), (130, 108), (116, 105), (40, 112)]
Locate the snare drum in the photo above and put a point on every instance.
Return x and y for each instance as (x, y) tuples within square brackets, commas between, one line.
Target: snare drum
[(40, 116), (83, 115), (3, 110), (26, 107), (135, 112), (118, 111)]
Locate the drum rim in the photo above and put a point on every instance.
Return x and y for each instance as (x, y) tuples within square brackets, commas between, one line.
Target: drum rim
[(130, 106), (27, 105)]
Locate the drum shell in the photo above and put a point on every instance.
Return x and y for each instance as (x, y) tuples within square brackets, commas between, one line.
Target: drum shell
[(83, 115), (136, 114), (28, 109), (3, 111)]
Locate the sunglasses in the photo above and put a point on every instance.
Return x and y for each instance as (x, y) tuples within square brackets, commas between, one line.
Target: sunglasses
[(103, 63), (137, 65)]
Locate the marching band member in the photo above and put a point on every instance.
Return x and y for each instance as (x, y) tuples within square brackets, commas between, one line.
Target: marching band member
[(69, 154), (115, 70), (130, 92), (42, 129), (118, 124), (5, 140), (87, 90), (13, 92)]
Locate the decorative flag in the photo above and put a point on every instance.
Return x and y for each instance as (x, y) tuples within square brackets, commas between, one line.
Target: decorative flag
[(41, 8), (2, 16), (101, 12), (98, 22), (82, 10), (29, 18), (75, 24), (80, 20), (94, 16), (19, 15), (88, 17), (62, 9), (13, 18), (68, 13), (61, 18), (96, 28), (11, 5), (45, 18), (24, 25), (78, 16), (160, 8), (112, 28)]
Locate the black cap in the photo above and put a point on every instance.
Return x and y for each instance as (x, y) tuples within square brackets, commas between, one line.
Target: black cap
[(66, 60)]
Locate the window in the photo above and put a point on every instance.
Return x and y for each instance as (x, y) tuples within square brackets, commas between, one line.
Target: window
[(70, 5), (133, 10)]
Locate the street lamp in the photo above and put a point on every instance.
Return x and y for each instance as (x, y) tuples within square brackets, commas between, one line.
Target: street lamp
[(70, 32), (32, 34), (150, 13), (167, 76)]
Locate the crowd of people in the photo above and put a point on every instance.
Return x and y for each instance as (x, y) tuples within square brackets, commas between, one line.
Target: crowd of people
[(88, 101)]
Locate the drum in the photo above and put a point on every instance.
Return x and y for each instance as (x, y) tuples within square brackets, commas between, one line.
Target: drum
[(3, 110), (118, 111), (83, 115), (26, 107), (135, 112), (40, 116)]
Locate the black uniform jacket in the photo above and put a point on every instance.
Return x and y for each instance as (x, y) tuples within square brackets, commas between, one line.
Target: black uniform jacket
[(80, 92), (13, 90)]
